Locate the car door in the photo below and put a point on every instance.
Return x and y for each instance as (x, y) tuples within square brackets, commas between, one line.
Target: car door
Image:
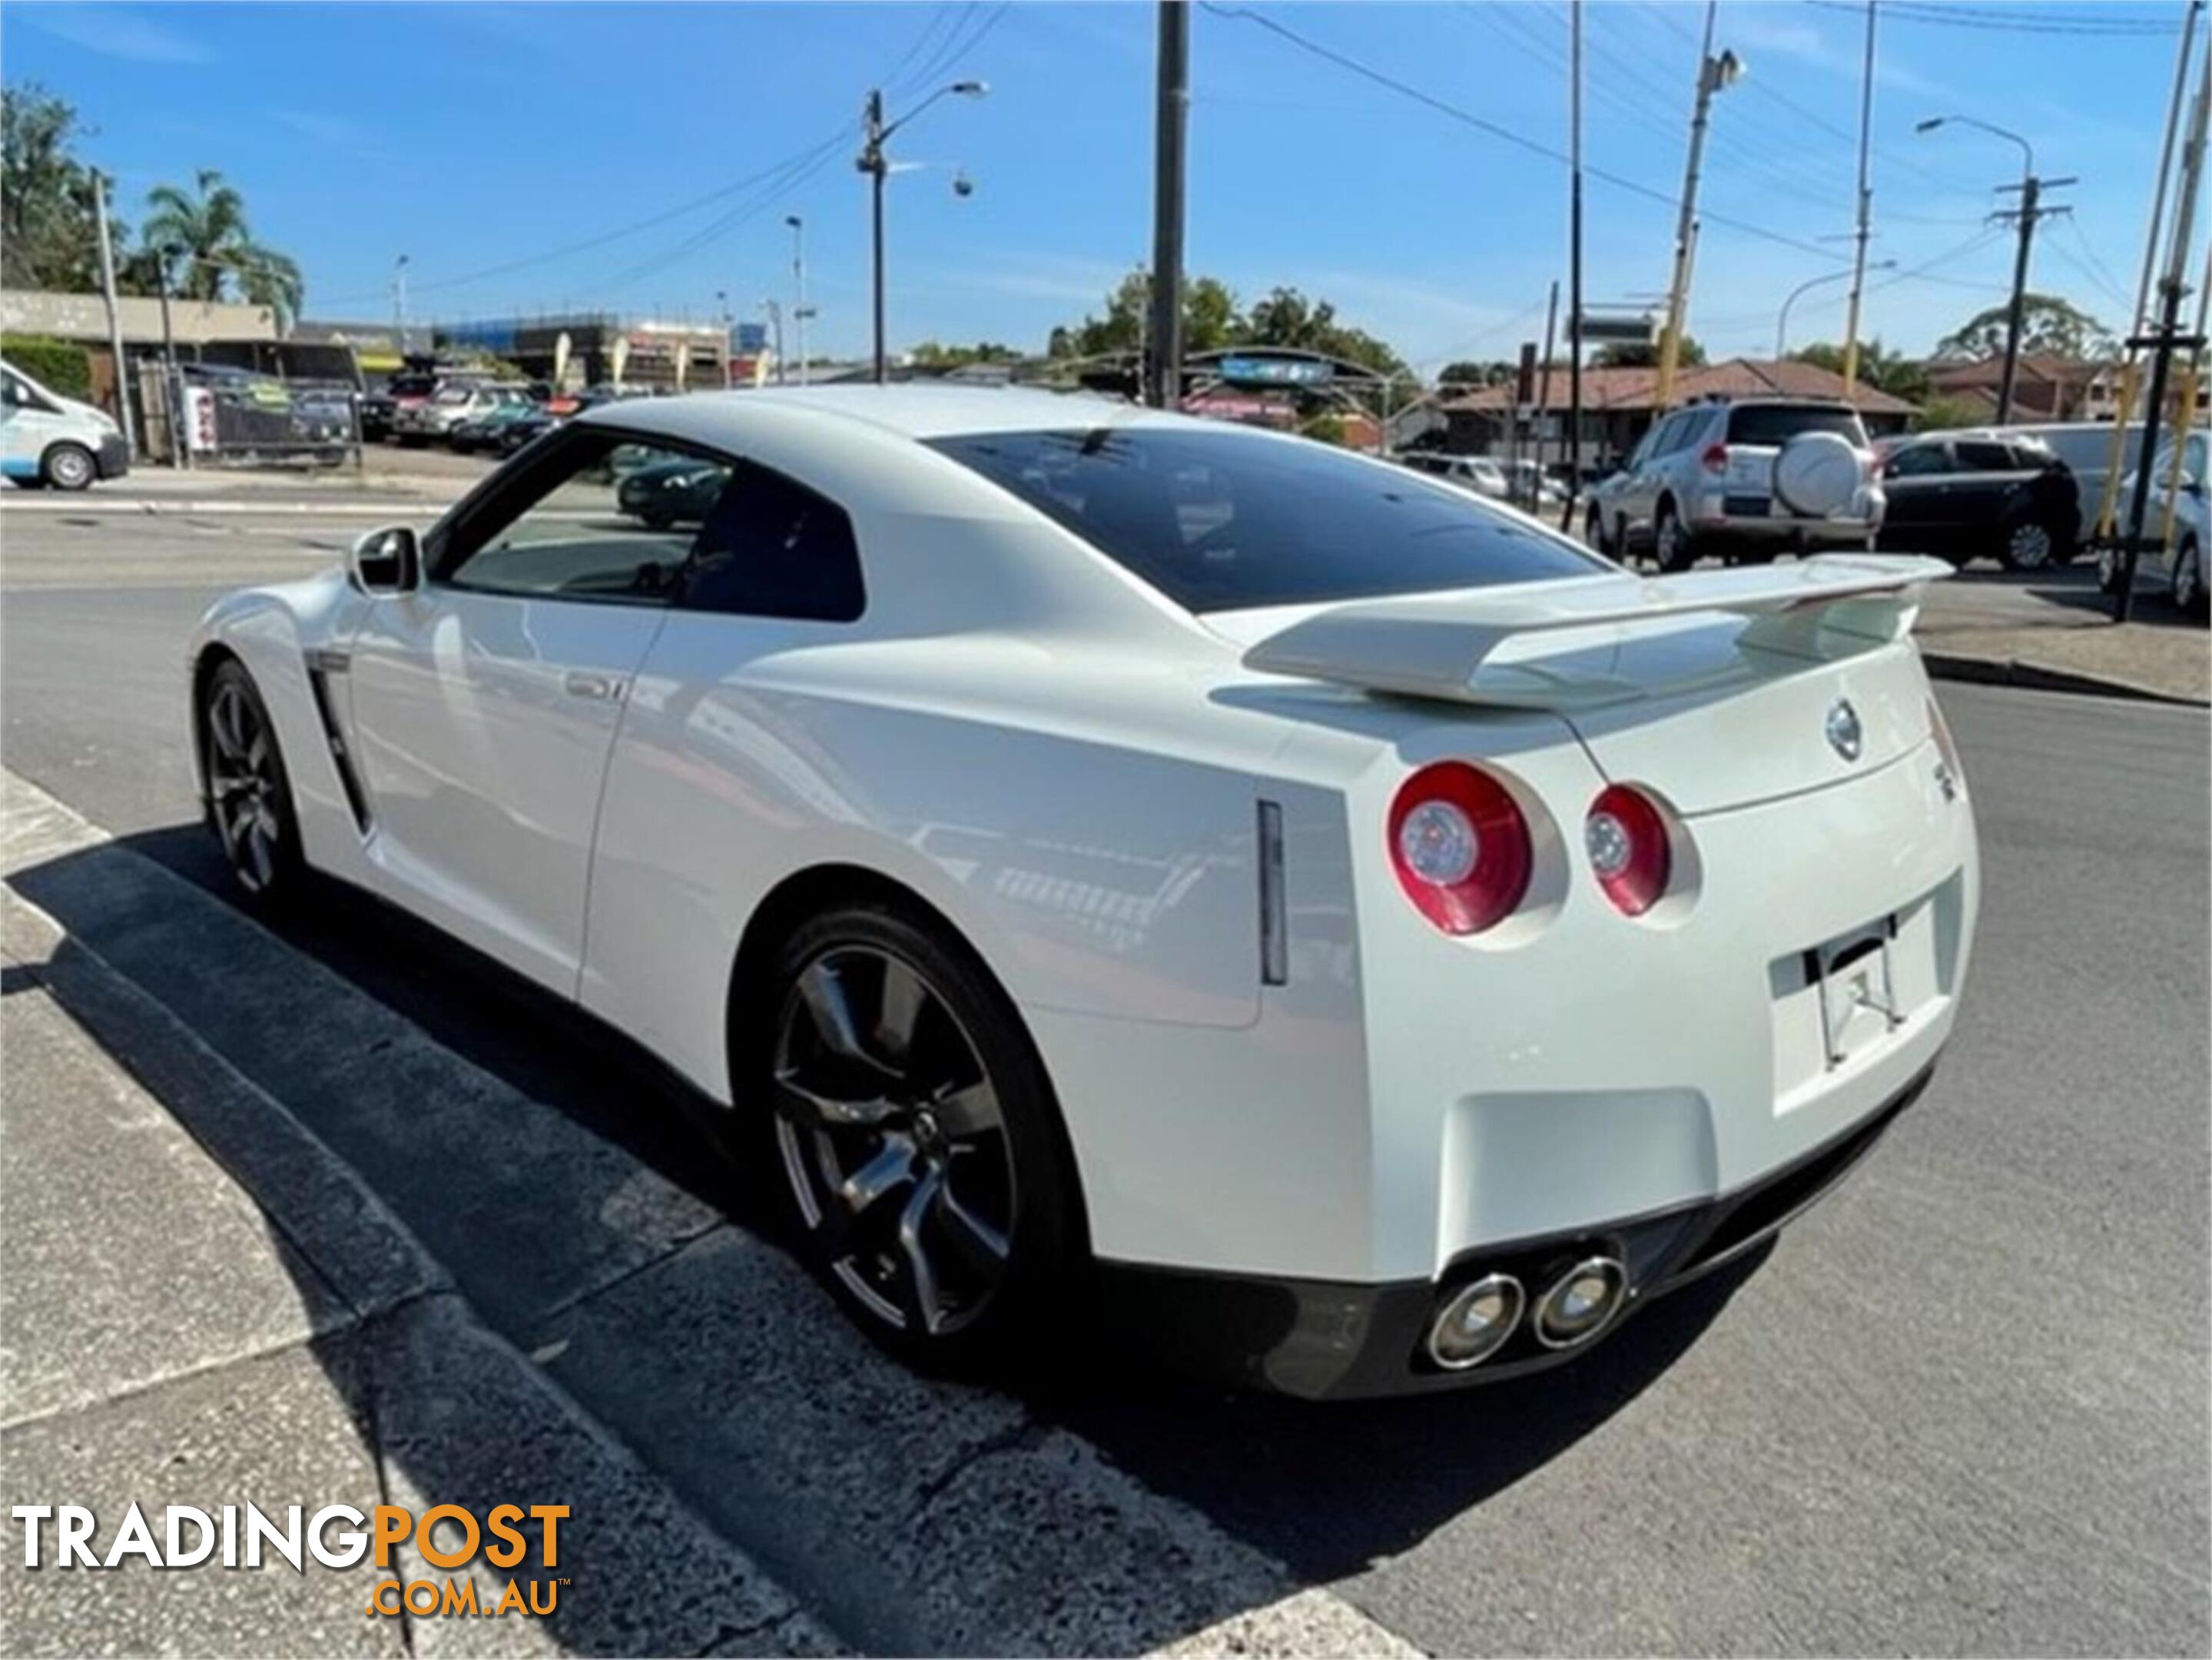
[(2189, 507), (1915, 481), (1638, 495), (483, 703)]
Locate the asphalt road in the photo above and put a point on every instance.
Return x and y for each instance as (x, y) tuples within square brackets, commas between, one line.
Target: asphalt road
[(1960, 1407)]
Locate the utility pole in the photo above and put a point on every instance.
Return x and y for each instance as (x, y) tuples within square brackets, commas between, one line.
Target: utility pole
[(1544, 387), (2115, 450), (800, 311), (173, 395), (1171, 120), (2161, 344), (775, 333), (1574, 267), (123, 416), (2031, 190), (872, 163), (1714, 75), (1866, 213), (399, 307)]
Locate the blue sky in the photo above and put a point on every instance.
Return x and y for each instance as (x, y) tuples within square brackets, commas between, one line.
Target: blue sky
[(475, 136)]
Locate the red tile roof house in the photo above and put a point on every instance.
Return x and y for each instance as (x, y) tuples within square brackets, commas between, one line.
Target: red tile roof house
[(2046, 387), (1618, 404)]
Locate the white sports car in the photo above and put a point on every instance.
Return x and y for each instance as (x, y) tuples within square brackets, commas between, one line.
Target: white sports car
[(1110, 856)]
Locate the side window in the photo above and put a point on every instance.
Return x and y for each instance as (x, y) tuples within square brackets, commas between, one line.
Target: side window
[(2193, 460), (598, 517), (771, 547), (1985, 455), (1919, 461), (1674, 432)]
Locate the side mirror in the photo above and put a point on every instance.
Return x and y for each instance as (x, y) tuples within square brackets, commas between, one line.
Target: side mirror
[(387, 561)]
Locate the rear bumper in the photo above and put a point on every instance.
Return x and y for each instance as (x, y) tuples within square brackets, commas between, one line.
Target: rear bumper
[(1330, 1341)]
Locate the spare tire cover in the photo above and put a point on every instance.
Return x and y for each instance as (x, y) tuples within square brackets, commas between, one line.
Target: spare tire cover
[(1817, 474)]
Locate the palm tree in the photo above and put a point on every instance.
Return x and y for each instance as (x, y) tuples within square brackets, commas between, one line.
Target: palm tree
[(205, 234)]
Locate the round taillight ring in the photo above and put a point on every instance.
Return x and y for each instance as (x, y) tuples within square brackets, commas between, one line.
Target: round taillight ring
[(1459, 847), (1625, 835)]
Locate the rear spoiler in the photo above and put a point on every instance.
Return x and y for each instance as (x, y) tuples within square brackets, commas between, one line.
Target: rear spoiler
[(1488, 645)]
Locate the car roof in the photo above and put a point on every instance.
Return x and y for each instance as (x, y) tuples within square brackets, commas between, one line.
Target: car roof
[(907, 410)]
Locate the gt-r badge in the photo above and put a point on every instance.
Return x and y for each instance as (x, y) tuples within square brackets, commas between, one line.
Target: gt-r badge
[(1845, 736)]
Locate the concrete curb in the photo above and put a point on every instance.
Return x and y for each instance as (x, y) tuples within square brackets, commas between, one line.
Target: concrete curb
[(185, 507), (2036, 676)]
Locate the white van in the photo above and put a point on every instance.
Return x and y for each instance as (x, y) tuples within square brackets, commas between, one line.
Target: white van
[(48, 439)]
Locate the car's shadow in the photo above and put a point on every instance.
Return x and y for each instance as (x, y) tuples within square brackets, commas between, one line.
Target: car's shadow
[(1325, 1490)]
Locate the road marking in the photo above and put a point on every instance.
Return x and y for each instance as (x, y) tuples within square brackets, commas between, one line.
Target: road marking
[(915, 1516)]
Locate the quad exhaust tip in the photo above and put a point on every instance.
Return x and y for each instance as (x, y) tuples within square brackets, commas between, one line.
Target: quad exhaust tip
[(1476, 1321), (1581, 1303)]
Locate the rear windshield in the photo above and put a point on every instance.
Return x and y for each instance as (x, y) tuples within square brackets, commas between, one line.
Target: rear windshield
[(1777, 425), (1223, 521)]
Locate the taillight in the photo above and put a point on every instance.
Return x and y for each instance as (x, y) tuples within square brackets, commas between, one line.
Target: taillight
[(1625, 837), (1715, 460), (1459, 847), (1952, 775)]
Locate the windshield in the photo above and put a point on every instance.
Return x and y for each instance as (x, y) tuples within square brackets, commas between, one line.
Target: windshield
[(1778, 423), (1223, 521)]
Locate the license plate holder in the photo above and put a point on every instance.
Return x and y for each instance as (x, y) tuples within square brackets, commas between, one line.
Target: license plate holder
[(1859, 990)]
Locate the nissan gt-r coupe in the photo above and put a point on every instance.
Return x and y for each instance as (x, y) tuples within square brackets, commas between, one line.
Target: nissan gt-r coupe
[(1099, 856)]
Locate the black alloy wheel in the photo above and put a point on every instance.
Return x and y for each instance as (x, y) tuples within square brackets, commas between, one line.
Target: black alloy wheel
[(917, 1135)]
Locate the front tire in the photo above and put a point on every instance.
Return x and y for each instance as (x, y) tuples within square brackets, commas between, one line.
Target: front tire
[(249, 792), (69, 467), (2189, 591), (917, 1135)]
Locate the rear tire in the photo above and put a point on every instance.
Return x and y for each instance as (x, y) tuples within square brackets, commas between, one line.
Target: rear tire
[(917, 1135), (1672, 550), (69, 467), (2029, 544)]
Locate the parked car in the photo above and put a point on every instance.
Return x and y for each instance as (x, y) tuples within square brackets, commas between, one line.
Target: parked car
[(47, 440), (486, 431), (2178, 564), (2086, 447), (379, 410), (522, 428), (677, 492), (455, 401), (1745, 479), (1149, 870), (1476, 472), (1967, 496)]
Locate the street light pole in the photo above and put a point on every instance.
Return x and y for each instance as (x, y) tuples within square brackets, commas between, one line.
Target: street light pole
[(1163, 387), (1863, 228), (2031, 189), (399, 307), (872, 161), (123, 415), (800, 311), (173, 395), (1781, 322)]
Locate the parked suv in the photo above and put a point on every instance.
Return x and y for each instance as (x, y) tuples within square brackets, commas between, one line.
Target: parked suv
[(1966, 495), (1746, 480), (453, 403), (2178, 565)]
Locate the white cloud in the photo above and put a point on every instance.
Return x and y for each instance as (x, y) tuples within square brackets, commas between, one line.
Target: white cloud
[(115, 31)]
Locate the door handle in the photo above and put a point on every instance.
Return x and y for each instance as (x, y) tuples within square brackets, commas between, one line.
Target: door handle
[(605, 687)]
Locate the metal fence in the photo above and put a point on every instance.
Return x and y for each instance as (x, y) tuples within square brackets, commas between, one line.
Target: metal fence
[(214, 414)]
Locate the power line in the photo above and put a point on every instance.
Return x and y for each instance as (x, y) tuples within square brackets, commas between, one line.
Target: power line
[(2017, 22), (1519, 141)]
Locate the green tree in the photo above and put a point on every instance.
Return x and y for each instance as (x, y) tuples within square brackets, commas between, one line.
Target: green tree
[(1943, 414), (2048, 325), (204, 242), (932, 354), (1211, 318), (1471, 375), (48, 234), (1636, 355), (1882, 369)]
